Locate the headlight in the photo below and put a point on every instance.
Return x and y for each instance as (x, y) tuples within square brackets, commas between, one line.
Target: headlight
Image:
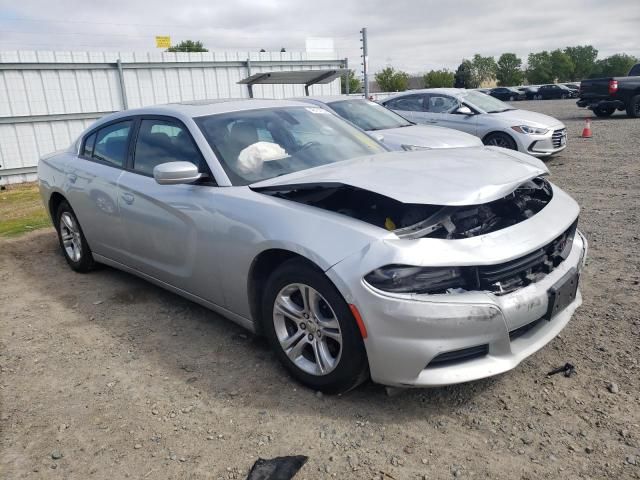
[(410, 148), (530, 130), (408, 279)]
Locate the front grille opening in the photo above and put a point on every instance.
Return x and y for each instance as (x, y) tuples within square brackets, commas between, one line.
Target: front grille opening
[(557, 136), (458, 356), (510, 276), (520, 331)]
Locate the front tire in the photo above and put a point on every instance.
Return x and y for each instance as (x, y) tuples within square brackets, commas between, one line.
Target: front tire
[(499, 139), (633, 107), (73, 243), (312, 330)]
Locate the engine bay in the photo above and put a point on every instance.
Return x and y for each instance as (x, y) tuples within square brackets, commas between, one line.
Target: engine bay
[(413, 221)]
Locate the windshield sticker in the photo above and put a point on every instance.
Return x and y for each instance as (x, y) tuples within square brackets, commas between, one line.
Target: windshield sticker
[(316, 110)]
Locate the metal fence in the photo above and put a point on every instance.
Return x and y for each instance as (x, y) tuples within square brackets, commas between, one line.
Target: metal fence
[(48, 98)]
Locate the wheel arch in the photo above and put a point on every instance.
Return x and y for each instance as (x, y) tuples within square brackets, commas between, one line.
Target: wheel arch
[(261, 267), (55, 200), (503, 132)]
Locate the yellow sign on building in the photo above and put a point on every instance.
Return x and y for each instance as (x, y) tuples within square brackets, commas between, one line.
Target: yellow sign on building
[(163, 42)]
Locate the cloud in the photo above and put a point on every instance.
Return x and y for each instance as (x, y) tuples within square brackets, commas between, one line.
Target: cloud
[(409, 34)]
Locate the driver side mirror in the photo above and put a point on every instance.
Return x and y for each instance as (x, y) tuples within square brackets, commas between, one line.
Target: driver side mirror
[(463, 110), (174, 173)]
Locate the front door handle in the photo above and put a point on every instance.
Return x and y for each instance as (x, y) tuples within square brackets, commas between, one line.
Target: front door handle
[(72, 177), (128, 198)]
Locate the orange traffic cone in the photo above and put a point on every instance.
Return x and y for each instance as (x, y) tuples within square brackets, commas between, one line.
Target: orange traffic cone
[(586, 132)]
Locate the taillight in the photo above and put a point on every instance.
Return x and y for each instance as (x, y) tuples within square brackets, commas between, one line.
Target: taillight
[(613, 86)]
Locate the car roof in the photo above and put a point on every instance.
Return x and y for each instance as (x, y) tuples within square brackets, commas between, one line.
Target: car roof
[(328, 98), (455, 92), (202, 108)]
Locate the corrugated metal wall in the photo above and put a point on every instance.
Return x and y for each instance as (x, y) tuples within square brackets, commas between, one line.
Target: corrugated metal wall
[(48, 98)]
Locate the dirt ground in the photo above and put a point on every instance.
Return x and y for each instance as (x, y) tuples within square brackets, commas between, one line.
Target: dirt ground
[(120, 379)]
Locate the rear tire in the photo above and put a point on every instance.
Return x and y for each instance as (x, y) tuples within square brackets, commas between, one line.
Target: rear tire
[(633, 107), (499, 139), (73, 243), (604, 112), (314, 336)]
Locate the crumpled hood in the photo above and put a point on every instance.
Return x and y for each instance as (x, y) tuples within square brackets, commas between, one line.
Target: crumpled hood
[(459, 176), (428, 136), (525, 117)]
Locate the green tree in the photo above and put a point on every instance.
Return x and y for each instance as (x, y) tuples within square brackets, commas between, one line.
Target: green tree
[(617, 65), (561, 66), (188, 46), (391, 80), (355, 86), (438, 79), (584, 60), (484, 68), (464, 77), (509, 70), (539, 68)]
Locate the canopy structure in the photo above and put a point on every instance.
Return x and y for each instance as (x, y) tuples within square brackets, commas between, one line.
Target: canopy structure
[(305, 77)]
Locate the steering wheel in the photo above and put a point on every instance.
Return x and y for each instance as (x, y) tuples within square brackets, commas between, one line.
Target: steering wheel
[(307, 146)]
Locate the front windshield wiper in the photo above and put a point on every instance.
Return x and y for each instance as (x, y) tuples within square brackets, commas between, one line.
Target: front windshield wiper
[(500, 111)]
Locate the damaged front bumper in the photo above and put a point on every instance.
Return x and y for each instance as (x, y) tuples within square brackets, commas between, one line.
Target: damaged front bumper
[(423, 340)]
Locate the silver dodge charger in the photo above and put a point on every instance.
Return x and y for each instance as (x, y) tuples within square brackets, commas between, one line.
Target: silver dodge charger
[(419, 268)]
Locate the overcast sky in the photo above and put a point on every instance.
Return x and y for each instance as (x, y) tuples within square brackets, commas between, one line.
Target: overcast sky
[(411, 35)]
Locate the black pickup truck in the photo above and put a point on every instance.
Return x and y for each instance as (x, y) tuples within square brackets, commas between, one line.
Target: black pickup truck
[(606, 95)]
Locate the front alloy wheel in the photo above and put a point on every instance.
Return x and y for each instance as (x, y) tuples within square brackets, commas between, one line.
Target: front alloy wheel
[(311, 328), (307, 329)]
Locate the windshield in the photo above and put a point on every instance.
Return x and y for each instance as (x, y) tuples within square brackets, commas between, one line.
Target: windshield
[(254, 145), (368, 115), (484, 102)]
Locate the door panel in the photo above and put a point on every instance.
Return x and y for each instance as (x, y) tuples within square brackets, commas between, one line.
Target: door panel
[(439, 111), (169, 233), (92, 186), (92, 193)]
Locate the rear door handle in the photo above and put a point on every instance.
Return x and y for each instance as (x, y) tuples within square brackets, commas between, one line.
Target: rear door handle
[(128, 198)]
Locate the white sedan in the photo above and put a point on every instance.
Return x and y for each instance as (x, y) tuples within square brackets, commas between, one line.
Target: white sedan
[(488, 118), (393, 130)]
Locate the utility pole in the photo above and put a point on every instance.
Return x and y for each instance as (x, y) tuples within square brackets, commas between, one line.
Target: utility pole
[(365, 61)]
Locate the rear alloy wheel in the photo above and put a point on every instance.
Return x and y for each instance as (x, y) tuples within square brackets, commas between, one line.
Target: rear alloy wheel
[(312, 330), (633, 107), (604, 112), (72, 241), (499, 139)]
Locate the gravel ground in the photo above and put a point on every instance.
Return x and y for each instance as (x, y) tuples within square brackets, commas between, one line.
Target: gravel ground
[(106, 376)]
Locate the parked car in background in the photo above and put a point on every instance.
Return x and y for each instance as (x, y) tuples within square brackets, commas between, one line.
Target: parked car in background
[(416, 268), (606, 95), (395, 131), (483, 90), (554, 91), (488, 118), (530, 92), (575, 87), (507, 94)]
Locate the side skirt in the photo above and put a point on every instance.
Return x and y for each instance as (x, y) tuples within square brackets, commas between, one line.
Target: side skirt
[(234, 317)]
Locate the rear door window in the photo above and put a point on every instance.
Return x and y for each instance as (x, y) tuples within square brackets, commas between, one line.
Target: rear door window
[(89, 143), (409, 103), (112, 142)]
